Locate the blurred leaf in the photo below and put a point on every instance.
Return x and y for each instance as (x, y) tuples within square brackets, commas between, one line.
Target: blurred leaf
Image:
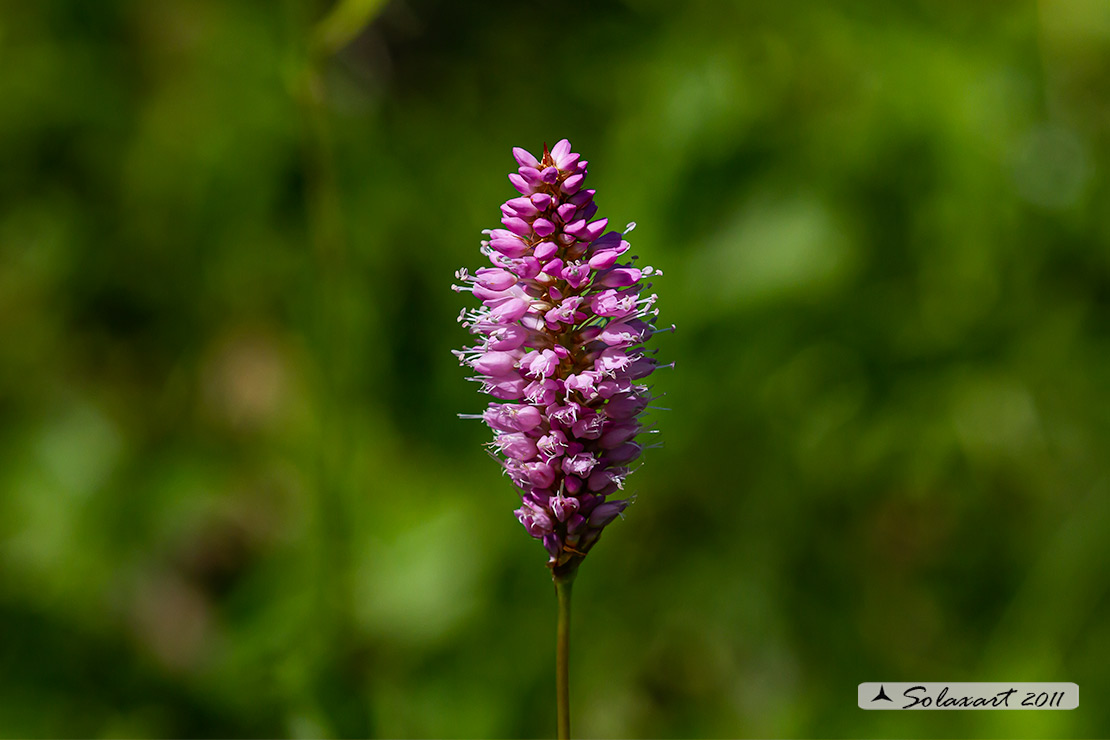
[(345, 20)]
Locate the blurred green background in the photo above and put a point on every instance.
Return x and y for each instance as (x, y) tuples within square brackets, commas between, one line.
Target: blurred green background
[(234, 496)]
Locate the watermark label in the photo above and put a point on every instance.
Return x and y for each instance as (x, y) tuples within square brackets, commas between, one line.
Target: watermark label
[(983, 695)]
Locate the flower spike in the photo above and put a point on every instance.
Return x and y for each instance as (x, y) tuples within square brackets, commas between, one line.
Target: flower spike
[(559, 341)]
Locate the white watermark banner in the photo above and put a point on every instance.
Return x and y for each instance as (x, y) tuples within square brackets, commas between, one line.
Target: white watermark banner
[(992, 695)]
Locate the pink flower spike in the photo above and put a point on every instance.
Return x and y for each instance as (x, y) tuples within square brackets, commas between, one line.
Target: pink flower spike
[(574, 228), (564, 313), (594, 229), (641, 368), (589, 427), (517, 225), (582, 382), (625, 453), (512, 417), (606, 513), (613, 304), (509, 388), (506, 336), (544, 228), (579, 465), (599, 480), (510, 310), (520, 184), (560, 151), (581, 198), (557, 339), (566, 212), (496, 363), (625, 406), (524, 158), (576, 275), (620, 277), (589, 334), (540, 474), (564, 416), (572, 183), (496, 417), (490, 297), (542, 392), (523, 207), (623, 334), (612, 361), (517, 446), (526, 268), (609, 387), (604, 260), (531, 176), (552, 444), (545, 250), (526, 418), (540, 364), (509, 245), (495, 278), (611, 240), (553, 267), (563, 506), (618, 434), (535, 519), (569, 163)]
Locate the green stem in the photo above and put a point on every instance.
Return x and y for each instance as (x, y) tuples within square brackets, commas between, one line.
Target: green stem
[(563, 584)]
